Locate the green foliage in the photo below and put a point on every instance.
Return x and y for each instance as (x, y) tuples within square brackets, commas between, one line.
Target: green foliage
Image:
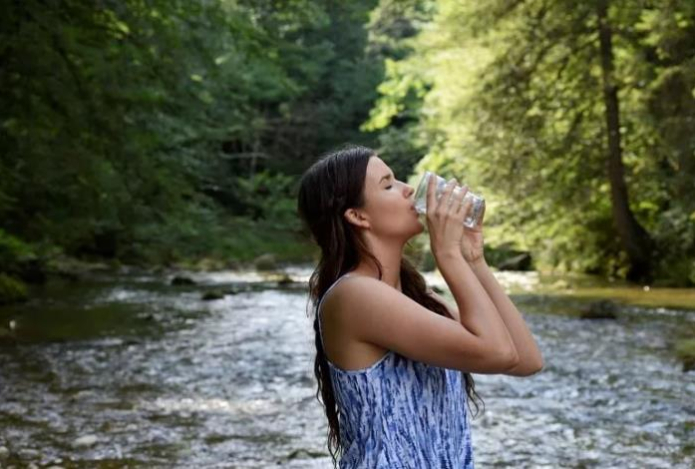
[(132, 129), (160, 131), (270, 197), (11, 290), (12, 250), (397, 115), (21, 261), (515, 109), (208, 233)]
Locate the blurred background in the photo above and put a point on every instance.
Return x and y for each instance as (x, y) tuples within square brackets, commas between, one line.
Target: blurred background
[(150, 250)]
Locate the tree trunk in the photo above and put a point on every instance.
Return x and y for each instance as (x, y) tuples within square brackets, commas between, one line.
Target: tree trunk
[(637, 243)]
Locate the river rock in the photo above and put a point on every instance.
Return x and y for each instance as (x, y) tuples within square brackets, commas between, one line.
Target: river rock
[(604, 309), (213, 295), (235, 290), (285, 280), (265, 262), (519, 262), (28, 453), (85, 441), (209, 264), (305, 453), (31, 270), (181, 280)]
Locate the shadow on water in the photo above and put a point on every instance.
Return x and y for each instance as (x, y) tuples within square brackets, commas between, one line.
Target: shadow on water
[(130, 371)]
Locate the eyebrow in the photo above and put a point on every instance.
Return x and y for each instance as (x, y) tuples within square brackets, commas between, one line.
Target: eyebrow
[(388, 176)]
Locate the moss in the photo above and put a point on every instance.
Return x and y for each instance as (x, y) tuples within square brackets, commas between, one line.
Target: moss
[(685, 350), (677, 298), (11, 290)]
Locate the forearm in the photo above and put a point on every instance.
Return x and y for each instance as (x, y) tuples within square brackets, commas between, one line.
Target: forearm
[(529, 355), (476, 310)]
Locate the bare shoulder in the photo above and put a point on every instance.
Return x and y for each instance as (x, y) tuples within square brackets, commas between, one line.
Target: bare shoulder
[(357, 303), (349, 293)]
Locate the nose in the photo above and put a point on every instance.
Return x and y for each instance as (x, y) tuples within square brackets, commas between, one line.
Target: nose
[(409, 190)]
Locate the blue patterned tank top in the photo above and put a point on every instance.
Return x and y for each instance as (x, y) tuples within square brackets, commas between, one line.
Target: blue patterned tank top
[(401, 414)]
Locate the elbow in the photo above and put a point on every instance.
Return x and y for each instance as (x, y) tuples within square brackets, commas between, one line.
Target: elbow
[(509, 359), (538, 366), (526, 368), (532, 368)]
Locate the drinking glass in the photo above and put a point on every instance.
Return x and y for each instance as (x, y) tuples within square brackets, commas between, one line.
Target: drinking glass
[(473, 217)]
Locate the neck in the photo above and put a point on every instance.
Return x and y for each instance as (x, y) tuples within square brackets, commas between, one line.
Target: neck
[(389, 255)]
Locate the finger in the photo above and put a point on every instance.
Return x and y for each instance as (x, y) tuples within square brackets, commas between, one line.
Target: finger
[(466, 207), (481, 217), (455, 201), (460, 207), (444, 201), (431, 193)]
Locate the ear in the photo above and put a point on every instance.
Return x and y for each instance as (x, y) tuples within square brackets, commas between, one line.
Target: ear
[(356, 217)]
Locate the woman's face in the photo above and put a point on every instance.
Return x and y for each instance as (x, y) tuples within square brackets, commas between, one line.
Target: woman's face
[(388, 207)]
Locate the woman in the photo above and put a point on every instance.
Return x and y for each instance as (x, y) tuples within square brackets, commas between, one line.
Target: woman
[(392, 357)]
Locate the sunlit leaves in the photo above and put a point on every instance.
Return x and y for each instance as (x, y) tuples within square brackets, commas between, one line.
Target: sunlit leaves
[(516, 93)]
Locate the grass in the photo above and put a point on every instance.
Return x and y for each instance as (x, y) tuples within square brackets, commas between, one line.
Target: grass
[(674, 298), (592, 287), (685, 350)]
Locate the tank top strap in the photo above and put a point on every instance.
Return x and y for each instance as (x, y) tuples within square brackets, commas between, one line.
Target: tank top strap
[(318, 308)]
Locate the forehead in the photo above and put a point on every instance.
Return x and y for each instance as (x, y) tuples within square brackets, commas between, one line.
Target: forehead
[(376, 168)]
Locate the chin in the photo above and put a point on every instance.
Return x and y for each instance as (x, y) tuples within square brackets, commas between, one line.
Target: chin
[(419, 229)]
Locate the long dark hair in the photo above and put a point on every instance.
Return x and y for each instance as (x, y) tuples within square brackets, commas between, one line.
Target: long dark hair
[(329, 187)]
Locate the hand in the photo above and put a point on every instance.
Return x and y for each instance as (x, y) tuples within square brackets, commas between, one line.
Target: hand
[(445, 219), (472, 241)]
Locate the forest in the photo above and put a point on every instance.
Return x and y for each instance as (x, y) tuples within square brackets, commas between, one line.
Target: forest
[(156, 280), (173, 133)]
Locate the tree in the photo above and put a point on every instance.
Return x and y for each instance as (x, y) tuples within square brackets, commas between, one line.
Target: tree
[(128, 126), (635, 240), (517, 107)]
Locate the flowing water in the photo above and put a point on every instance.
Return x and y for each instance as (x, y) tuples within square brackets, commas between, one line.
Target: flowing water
[(129, 371)]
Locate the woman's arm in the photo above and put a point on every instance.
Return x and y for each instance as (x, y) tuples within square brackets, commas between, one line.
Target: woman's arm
[(530, 359), (477, 313), (361, 310)]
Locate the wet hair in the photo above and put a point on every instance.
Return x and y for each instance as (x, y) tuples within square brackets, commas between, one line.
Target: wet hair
[(330, 186)]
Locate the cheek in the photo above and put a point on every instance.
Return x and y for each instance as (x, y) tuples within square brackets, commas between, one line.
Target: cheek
[(389, 215)]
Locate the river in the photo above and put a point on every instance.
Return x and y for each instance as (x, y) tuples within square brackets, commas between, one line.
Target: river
[(125, 370)]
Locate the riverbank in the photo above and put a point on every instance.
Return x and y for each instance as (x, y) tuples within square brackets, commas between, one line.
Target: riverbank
[(235, 243)]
